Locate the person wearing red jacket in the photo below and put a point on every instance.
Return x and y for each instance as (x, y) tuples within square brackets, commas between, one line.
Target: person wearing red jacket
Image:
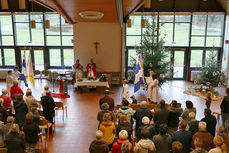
[(15, 90), (7, 101), (123, 138)]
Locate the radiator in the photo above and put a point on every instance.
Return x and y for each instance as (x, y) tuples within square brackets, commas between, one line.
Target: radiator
[(194, 75), (3, 73)]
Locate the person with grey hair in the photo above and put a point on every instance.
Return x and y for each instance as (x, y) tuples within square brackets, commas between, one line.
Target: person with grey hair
[(9, 124), (104, 109), (30, 100), (14, 141), (204, 136), (193, 123), (7, 103), (98, 145), (126, 110)]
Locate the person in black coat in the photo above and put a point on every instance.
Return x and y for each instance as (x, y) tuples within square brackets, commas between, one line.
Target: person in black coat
[(225, 109), (21, 110), (210, 121), (31, 131), (174, 114), (161, 115), (125, 125), (3, 112), (14, 141), (183, 136), (48, 105), (107, 99), (140, 113)]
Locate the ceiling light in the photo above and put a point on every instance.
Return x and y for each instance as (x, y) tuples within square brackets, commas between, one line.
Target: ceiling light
[(147, 3), (22, 4), (143, 23), (4, 4), (91, 15), (47, 24), (128, 23), (33, 24)]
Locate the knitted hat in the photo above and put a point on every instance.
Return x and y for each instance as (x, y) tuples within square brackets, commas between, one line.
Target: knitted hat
[(99, 134), (123, 134), (145, 120)]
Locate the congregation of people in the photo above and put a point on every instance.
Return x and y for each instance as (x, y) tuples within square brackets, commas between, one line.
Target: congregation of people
[(19, 116), (167, 129)]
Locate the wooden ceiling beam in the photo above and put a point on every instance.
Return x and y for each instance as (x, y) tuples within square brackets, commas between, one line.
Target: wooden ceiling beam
[(45, 5), (134, 9)]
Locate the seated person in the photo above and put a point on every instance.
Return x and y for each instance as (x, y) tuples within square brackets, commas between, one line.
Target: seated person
[(126, 110), (125, 125), (15, 90), (104, 110), (98, 145), (30, 100), (7, 103)]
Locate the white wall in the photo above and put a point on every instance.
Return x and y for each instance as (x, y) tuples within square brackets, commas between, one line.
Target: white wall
[(108, 35), (225, 60)]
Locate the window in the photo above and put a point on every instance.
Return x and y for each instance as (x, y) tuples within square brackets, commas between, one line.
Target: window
[(39, 59), (23, 33), (199, 24), (210, 53), (133, 40), (38, 34), (166, 31), (196, 58), (54, 24), (182, 34), (215, 25), (9, 57), (135, 26), (53, 40), (68, 57), (132, 53), (67, 41), (54, 57)]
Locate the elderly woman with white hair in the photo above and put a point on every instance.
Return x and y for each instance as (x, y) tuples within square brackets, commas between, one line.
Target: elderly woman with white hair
[(104, 109), (98, 145), (193, 123), (30, 100), (123, 138), (204, 136), (14, 141)]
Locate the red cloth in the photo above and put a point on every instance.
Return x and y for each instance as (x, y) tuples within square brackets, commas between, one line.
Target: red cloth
[(93, 68), (15, 90), (7, 101), (116, 148), (61, 87), (54, 95)]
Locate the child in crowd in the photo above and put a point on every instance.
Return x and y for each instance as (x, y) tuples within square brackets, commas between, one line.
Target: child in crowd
[(208, 100)]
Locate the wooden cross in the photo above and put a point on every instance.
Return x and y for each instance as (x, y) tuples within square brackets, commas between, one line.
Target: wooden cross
[(96, 46)]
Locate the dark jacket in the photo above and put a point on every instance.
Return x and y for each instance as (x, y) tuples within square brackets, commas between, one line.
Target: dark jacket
[(225, 105), (140, 113), (101, 113), (174, 114), (48, 105), (99, 146), (184, 137), (193, 126), (3, 113), (151, 129), (20, 112), (109, 101), (162, 143), (211, 123), (206, 138), (161, 116), (125, 126), (15, 143), (31, 131)]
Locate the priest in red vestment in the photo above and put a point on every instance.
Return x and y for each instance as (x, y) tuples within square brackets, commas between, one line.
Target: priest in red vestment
[(91, 69), (15, 90)]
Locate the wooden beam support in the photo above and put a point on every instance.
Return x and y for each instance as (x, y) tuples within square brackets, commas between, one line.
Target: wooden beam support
[(135, 8), (45, 5)]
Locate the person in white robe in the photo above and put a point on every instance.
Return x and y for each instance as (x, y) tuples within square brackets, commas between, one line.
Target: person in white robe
[(149, 81), (125, 91), (9, 81), (154, 89), (16, 74), (77, 70)]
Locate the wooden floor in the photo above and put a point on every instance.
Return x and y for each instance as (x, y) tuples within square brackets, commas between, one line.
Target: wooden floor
[(78, 129)]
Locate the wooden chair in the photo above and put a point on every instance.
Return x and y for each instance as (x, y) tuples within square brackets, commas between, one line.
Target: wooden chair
[(43, 139), (37, 74), (61, 106), (115, 78), (3, 150), (44, 124), (46, 74)]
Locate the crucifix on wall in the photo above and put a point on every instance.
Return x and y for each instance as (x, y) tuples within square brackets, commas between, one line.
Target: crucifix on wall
[(96, 46)]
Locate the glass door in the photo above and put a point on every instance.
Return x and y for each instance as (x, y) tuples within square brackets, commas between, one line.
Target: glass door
[(39, 59), (178, 59)]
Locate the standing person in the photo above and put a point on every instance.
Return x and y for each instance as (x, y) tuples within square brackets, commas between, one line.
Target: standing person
[(48, 105), (98, 145), (225, 109), (220, 146), (210, 120), (31, 131), (107, 99), (20, 110), (154, 90), (3, 112), (126, 110), (208, 100), (14, 141), (183, 136), (125, 91), (15, 90), (46, 89), (104, 110), (30, 100), (91, 69), (7, 103), (16, 74), (149, 81), (9, 81), (163, 140), (124, 124), (108, 129), (77, 68)]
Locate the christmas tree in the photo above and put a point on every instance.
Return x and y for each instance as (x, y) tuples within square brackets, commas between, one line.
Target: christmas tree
[(211, 73), (155, 57)]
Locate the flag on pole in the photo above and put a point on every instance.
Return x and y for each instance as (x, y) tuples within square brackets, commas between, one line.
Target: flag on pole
[(30, 71), (24, 71), (139, 75)]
